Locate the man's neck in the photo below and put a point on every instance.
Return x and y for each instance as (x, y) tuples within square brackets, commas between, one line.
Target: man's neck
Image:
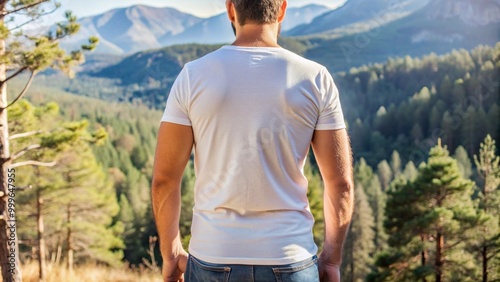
[(256, 35)]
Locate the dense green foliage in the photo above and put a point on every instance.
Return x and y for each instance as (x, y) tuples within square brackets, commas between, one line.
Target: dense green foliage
[(126, 157), (406, 104)]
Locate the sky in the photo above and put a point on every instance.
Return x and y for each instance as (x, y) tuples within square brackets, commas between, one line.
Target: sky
[(200, 8)]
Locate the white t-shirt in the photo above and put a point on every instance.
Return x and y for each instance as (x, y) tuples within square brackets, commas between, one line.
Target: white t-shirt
[(253, 112)]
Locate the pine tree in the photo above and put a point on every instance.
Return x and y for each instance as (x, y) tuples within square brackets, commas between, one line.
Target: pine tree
[(378, 201), (396, 164), (359, 247), (488, 237), (385, 174), (494, 121), (429, 221), (469, 127), (410, 171), (365, 177), (463, 161), (448, 216), (32, 54), (126, 219), (363, 173), (406, 258), (90, 207)]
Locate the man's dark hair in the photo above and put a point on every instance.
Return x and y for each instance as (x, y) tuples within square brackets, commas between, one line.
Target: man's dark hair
[(257, 11)]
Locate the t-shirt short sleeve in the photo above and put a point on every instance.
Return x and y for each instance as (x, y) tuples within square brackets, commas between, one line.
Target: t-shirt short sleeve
[(331, 116), (176, 109)]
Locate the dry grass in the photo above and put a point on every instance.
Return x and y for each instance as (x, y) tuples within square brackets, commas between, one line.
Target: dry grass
[(88, 273)]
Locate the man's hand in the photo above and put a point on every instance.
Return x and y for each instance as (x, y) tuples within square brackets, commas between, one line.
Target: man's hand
[(174, 269), (328, 272)]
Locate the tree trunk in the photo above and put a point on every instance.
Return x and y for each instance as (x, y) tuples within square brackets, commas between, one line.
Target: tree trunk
[(58, 254), (439, 257), (484, 254), (41, 239), (352, 270), (69, 240), (9, 265), (423, 255)]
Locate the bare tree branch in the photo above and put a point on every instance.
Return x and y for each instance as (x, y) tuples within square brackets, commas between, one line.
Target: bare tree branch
[(21, 95), (494, 254), (27, 134), (23, 24), (5, 13), (18, 72), (34, 19), (20, 153), (33, 163)]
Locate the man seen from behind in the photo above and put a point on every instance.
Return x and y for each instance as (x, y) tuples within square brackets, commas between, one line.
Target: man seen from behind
[(251, 111)]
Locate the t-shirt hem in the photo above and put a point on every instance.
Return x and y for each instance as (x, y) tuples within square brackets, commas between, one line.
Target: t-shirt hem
[(176, 121), (335, 126), (252, 261)]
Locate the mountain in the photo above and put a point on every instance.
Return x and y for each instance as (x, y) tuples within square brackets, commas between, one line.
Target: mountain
[(217, 29), (439, 27), (127, 30), (359, 11), (140, 27)]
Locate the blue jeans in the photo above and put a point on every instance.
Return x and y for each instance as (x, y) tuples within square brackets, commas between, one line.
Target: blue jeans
[(201, 271)]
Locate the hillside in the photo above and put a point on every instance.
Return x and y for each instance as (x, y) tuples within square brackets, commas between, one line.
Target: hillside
[(163, 64)]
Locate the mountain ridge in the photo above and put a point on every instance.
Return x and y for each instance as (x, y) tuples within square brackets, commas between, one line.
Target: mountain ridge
[(141, 27), (126, 30), (356, 11)]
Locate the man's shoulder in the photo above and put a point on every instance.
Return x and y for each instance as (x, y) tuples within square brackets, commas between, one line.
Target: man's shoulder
[(301, 61), (207, 58)]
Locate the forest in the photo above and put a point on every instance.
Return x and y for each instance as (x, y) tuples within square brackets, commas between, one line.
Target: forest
[(423, 132)]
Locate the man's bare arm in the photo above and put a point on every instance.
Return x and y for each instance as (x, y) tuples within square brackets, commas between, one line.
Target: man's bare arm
[(172, 154), (333, 155)]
